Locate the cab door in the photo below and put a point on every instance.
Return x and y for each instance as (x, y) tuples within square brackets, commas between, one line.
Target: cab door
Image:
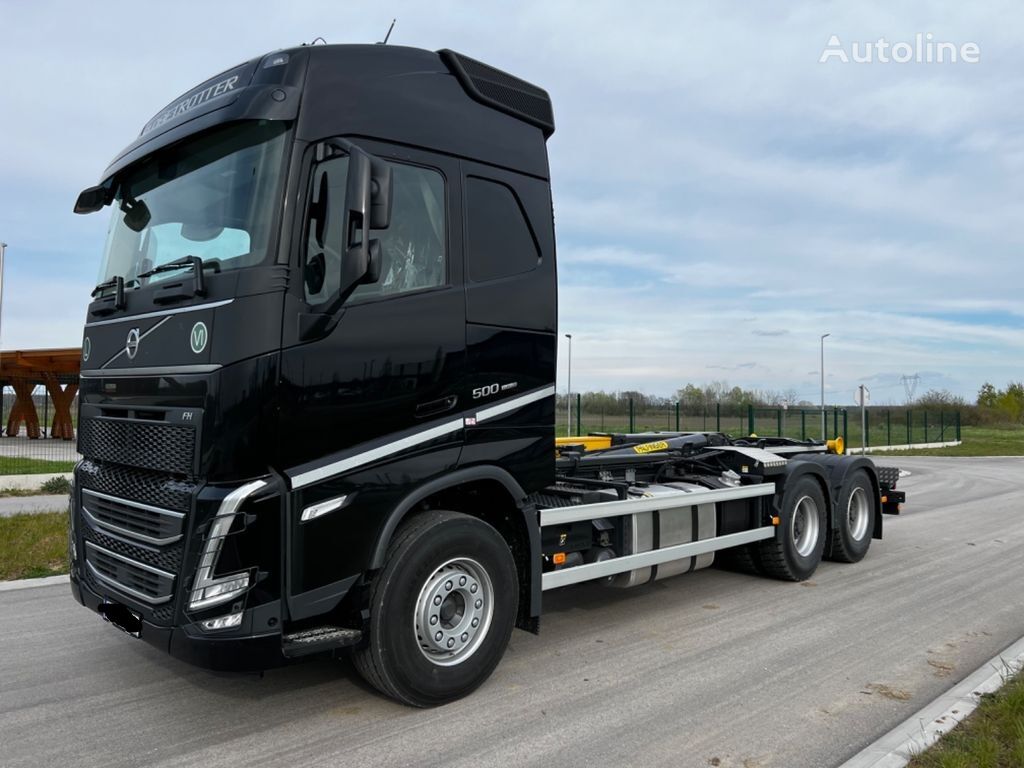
[(362, 403)]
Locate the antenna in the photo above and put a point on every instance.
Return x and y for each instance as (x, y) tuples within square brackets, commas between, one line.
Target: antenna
[(388, 35), (910, 386)]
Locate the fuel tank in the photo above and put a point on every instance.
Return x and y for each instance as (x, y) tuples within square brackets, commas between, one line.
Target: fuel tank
[(675, 524)]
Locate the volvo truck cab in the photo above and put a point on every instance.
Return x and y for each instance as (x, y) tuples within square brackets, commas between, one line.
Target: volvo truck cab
[(317, 388)]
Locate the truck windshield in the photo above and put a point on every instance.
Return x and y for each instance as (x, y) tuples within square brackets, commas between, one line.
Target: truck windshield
[(215, 197)]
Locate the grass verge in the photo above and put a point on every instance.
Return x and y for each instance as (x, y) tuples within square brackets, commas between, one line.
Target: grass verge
[(991, 737), (977, 441), (10, 465), (33, 545), (52, 487)]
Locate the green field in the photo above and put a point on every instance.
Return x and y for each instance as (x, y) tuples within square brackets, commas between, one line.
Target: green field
[(33, 545), (991, 737), (12, 465), (978, 441)]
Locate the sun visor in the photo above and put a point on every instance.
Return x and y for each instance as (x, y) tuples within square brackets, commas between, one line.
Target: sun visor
[(268, 88), (215, 93)]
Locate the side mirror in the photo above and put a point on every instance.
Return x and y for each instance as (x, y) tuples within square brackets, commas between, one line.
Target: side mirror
[(356, 229), (381, 194), (368, 196), (92, 199)]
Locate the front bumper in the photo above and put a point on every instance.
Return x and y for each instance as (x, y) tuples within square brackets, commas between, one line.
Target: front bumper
[(253, 652)]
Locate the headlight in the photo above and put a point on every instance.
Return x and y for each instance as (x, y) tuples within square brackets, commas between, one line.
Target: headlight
[(210, 590)]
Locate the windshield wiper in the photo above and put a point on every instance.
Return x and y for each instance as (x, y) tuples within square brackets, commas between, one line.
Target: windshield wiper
[(185, 261), (194, 262), (117, 283)]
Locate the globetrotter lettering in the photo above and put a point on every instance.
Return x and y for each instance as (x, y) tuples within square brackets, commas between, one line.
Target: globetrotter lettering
[(193, 101)]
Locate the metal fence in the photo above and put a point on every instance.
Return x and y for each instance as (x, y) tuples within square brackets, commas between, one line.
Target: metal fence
[(885, 426), (23, 453), (33, 447)]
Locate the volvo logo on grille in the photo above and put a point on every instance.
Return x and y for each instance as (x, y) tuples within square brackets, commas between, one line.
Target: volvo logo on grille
[(131, 345), (86, 349), (197, 339)]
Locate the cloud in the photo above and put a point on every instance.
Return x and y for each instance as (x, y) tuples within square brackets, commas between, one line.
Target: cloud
[(719, 195)]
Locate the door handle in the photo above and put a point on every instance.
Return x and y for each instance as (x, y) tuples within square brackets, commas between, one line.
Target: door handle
[(434, 407)]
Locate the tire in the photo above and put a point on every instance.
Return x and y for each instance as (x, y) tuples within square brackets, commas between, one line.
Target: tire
[(851, 537), (455, 576), (795, 554), (742, 559)]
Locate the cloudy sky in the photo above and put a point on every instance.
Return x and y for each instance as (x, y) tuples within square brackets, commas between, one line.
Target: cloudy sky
[(722, 198)]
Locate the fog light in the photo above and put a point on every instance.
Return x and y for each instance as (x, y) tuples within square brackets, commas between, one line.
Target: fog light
[(222, 622), (219, 591)]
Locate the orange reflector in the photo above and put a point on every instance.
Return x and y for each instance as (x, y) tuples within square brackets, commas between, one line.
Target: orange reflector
[(558, 558), (775, 520), (885, 499)]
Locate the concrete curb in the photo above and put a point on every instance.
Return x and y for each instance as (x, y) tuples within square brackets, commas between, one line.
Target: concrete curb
[(923, 728), (906, 447), (46, 581)]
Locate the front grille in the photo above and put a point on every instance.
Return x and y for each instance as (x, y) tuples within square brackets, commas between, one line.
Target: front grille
[(138, 485), (149, 445), (135, 520), (146, 583), (158, 614), (167, 558), (137, 489)]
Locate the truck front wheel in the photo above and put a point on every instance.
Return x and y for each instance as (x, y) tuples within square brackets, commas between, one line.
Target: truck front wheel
[(796, 550), (441, 609)]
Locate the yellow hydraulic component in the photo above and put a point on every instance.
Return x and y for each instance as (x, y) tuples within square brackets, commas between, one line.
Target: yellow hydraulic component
[(836, 446), (654, 447), (590, 443)]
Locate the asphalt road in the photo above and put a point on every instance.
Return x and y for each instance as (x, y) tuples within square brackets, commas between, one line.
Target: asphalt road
[(714, 668)]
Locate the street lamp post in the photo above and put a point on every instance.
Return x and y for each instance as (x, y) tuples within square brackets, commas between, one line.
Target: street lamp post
[(3, 251), (568, 397), (823, 337)]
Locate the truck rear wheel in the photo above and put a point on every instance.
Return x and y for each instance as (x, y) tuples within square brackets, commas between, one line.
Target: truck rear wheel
[(852, 535), (441, 610), (794, 553)]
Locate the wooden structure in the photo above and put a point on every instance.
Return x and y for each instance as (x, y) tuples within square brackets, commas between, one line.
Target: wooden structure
[(55, 369)]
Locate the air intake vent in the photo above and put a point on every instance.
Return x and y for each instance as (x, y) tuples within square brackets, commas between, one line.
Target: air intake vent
[(502, 91)]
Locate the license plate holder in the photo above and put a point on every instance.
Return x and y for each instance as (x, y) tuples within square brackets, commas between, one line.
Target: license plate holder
[(122, 617)]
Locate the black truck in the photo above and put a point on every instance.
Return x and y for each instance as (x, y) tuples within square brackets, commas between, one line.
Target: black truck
[(317, 389)]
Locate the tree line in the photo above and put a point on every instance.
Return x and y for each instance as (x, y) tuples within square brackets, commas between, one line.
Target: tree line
[(691, 397), (1001, 405), (993, 406)]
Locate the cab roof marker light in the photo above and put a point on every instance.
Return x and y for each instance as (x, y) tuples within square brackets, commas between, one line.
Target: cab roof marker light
[(208, 590), (230, 621)]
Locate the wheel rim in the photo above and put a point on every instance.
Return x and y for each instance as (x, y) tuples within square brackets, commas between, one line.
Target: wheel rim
[(805, 526), (857, 514), (453, 612)]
